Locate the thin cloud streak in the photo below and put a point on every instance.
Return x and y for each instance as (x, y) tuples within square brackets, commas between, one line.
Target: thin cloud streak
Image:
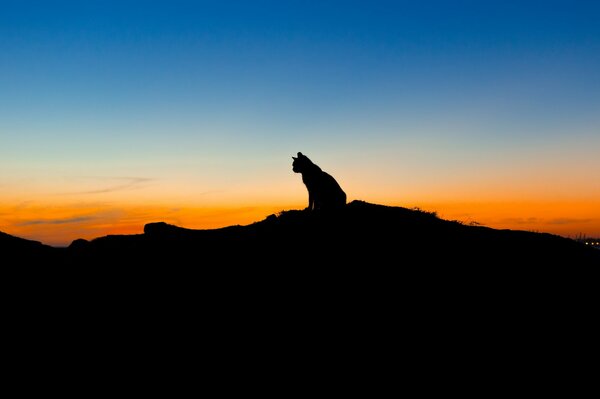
[(554, 221), (568, 221), (76, 219), (521, 220), (131, 183)]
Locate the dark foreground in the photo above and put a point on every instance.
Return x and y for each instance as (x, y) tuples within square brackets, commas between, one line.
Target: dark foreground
[(365, 286)]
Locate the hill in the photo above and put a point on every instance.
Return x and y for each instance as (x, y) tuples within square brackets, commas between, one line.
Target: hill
[(367, 267), (16, 250), (361, 234)]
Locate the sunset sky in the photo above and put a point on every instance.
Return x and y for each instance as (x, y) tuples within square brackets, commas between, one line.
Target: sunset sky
[(114, 114)]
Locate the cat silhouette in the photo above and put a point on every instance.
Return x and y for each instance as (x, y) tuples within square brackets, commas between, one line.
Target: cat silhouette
[(324, 192)]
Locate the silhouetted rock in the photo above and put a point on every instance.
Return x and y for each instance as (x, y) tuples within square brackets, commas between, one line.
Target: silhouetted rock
[(79, 245)]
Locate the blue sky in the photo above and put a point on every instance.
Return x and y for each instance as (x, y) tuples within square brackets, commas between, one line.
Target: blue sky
[(296, 61), (390, 93)]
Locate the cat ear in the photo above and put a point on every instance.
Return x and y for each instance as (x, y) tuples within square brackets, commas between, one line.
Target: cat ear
[(300, 154), (294, 158)]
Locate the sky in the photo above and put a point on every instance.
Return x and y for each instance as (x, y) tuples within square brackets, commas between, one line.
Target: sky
[(114, 114)]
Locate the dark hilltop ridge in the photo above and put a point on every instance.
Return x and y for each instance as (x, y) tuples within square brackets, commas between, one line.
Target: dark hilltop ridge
[(351, 282), (359, 234), (15, 249)]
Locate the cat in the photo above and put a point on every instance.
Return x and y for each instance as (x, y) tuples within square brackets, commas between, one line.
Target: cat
[(324, 192)]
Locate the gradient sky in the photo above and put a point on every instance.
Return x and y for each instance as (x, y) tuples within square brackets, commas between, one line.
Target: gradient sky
[(114, 114)]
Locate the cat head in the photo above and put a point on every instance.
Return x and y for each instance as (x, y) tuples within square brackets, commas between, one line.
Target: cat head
[(300, 163)]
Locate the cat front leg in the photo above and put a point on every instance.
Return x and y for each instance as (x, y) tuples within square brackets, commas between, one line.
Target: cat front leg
[(311, 202)]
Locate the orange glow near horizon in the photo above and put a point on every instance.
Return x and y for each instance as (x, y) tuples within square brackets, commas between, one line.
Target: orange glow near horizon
[(59, 225), (565, 218)]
